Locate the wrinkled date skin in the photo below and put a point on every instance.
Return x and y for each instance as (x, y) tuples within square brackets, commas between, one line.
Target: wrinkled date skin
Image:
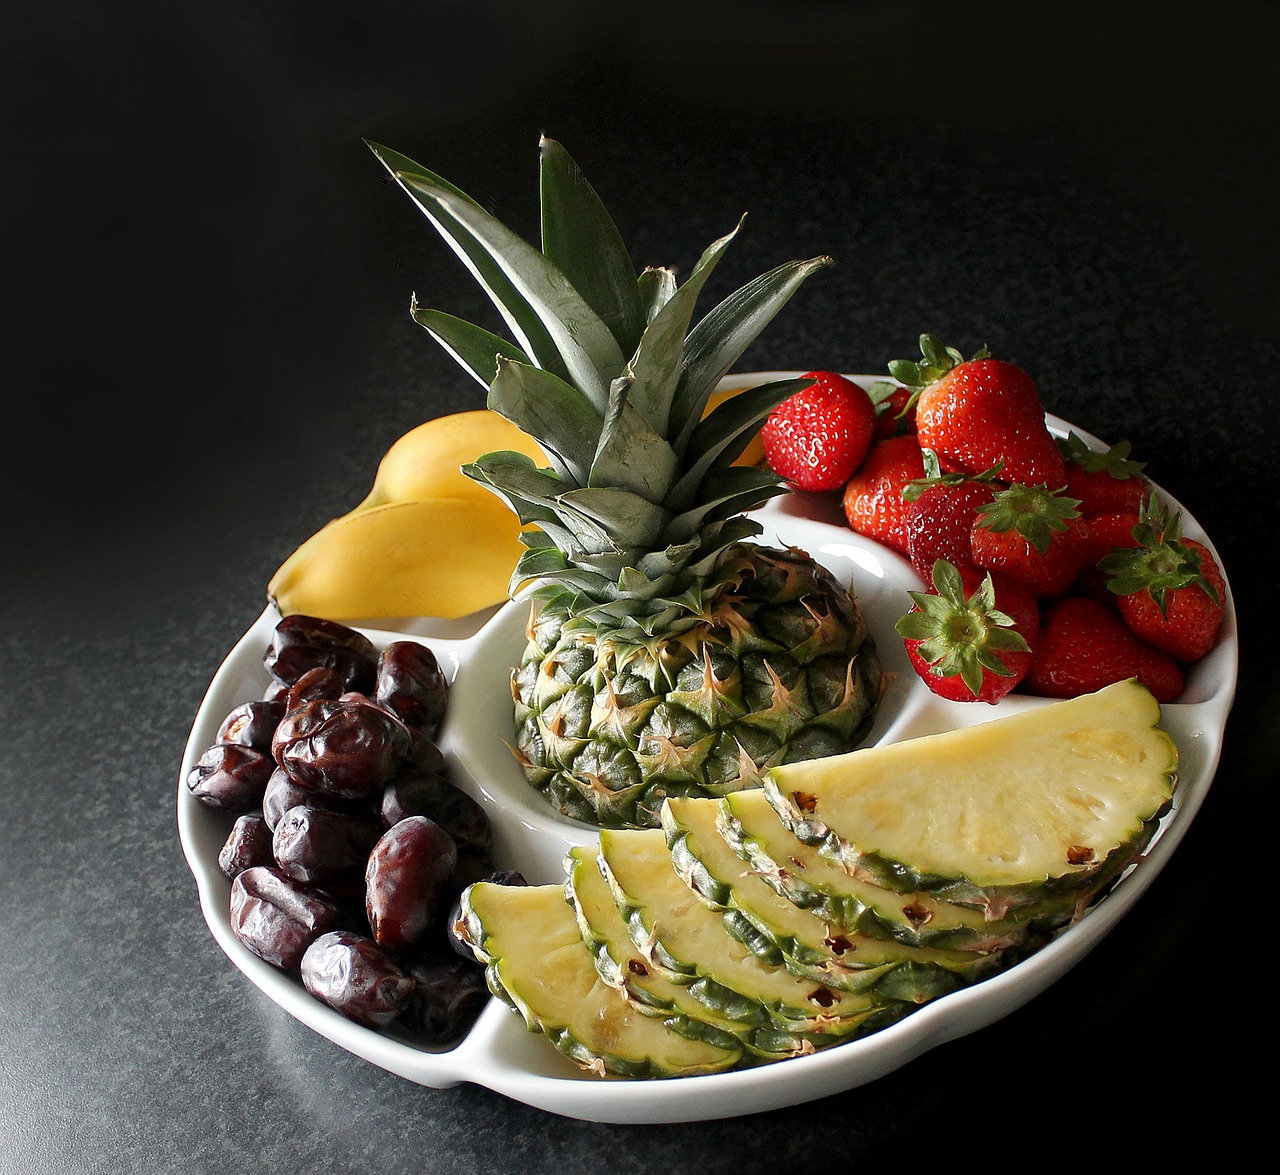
[(346, 747), (350, 840), (420, 793), (302, 642), (252, 724), (277, 918), (449, 994), (407, 880), (283, 793), (323, 847), (248, 844), (424, 756), (320, 682), (411, 684), (230, 776), (357, 978)]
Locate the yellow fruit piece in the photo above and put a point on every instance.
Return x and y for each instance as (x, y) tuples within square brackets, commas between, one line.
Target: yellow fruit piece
[(426, 540), (445, 557), (753, 454), (426, 462)]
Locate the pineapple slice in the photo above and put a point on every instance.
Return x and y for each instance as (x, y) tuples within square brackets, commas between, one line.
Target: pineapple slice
[(655, 992), (680, 934), (995, 815), (780, 931), (802, 875), (535, 960)]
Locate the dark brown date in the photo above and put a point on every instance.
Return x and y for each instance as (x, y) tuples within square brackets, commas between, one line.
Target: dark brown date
[(352, 840), (248, 844), (302, 642), (418, 793), (323, 847), (411, 684), (283, 793), (348, 747), (320, 682), (357, 978), (407, 881), (472, 865), (424, 756), (252, 724), (449, 994), (231, 777), (276, 917)]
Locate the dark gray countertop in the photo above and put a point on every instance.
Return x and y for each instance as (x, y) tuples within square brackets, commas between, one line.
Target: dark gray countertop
[(213, 347)]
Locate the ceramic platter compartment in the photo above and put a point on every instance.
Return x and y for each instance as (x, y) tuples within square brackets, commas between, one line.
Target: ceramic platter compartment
[(499, 1052)]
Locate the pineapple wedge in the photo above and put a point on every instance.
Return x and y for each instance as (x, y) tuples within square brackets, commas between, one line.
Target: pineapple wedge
[(782, 932), (802, 875), (681, 935), (655, 992), (997, 815), (667, 952), (535, 961)]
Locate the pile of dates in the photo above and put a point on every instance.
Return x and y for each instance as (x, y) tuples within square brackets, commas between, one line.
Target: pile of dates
[(350, 843)]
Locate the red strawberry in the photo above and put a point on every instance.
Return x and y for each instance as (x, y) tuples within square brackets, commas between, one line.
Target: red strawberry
[(895, 409), (1169, 589), (970, 637), (1084, 645), (873, 501), (975, 412), (1034, 536), (1105, 533), (944, 507), (817, 437), (1104, 482)]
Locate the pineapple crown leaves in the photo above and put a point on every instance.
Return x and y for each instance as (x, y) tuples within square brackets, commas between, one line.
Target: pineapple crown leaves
[(961, 635), (1114, 460), (933, 476), (1161, 562), (1035, 512), (605, 370)]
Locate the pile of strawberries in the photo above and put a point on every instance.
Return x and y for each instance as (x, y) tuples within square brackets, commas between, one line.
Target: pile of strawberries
[(1048, 566)]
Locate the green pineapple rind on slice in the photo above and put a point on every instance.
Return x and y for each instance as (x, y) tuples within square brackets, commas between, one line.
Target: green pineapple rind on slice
[(678, 932), (1002, 814), (536, 962), (805, 876), (654, 992), (802, 941)]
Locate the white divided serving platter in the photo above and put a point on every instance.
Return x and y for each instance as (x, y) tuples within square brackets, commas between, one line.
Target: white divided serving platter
[(499, 1052)]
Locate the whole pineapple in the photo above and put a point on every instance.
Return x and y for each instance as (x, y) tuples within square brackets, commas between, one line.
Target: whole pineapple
[(667, 655)]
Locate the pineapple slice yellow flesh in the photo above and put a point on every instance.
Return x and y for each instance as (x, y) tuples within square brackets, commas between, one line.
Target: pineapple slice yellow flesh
[(619, 961), (535, 959), (1042, 798), (800, 874), (678, 932), (653, 991), (807, 943)]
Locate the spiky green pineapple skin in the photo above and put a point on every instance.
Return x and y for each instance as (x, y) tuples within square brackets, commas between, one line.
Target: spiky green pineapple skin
[(778, 668), (667, 654)]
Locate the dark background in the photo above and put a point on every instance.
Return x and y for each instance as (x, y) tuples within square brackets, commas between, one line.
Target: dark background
[(208, 348)]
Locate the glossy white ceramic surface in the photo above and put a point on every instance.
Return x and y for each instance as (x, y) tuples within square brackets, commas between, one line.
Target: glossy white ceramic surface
[(499, 1052)]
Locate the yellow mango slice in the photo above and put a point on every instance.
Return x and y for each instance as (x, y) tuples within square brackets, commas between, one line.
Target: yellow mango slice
[(444, 557), (426, 462)]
